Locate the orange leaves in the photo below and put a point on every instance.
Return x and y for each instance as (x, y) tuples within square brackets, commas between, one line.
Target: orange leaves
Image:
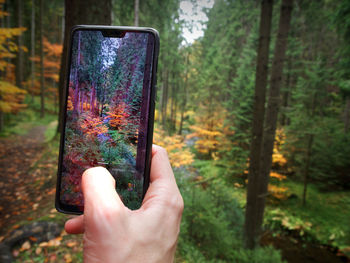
[(179, 155), (52, 49), (278, 176), (69, 104), (118, 115), (93, 126), (51, 63)]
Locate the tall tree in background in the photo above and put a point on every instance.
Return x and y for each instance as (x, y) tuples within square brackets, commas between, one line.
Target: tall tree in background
[(264, 131), (251, 223), (136, 13), (32, 44), (81, 12), (19, 66), (270, 123), (42, 91)]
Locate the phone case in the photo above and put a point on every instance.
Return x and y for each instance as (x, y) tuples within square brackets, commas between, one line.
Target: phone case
[(68, 209)]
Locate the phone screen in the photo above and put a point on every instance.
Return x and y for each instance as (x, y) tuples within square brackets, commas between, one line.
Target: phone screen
[(107, 112)]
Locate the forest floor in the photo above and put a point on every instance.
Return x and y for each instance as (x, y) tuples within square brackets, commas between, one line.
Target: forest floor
[(28, 163)]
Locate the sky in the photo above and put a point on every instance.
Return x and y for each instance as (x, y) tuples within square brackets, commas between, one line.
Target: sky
[(193, 14)]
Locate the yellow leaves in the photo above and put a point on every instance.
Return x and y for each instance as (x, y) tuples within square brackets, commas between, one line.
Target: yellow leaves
[(278, 192), (6, 33), (8, 88), (175, 145), (11, 97), (208, 131), (277, 156)]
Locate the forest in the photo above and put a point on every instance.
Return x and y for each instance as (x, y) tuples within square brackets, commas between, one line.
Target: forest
[(254, 114)]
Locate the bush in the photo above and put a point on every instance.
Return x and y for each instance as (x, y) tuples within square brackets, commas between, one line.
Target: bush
[(212, 225)]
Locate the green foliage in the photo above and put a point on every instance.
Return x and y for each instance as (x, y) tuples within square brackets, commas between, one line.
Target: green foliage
[(212, 225), (316, 221), (23, 121)]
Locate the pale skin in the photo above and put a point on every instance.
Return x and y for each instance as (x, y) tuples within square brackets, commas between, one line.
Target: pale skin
[(114, 233)]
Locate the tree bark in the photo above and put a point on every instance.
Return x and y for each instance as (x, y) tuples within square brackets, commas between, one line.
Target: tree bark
[(285, 96), (347, 115), (184, 102), (32, 46), (165, 97), (79, 12), (251, 227), (307, 165), (42, 95), (273, 107), (136, 13), (19, 67)]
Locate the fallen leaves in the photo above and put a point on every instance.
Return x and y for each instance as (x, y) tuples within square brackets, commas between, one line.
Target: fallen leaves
[(71, 244), (25, 246), (67, 258)]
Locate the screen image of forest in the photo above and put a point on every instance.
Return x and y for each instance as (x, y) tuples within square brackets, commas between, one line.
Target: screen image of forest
[(107, 113)]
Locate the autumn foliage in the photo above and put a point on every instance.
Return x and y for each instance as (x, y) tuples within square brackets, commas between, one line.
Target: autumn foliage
[(11, 97), (179, 154)]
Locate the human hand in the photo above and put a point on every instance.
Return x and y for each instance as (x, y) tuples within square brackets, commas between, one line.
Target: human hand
[(114, 233)]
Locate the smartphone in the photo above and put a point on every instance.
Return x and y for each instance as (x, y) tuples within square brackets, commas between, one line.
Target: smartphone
[(108, 112)]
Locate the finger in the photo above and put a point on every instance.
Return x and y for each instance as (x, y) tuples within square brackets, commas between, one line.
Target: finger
[(99, 191), (75, 225), (162, 181), (160, 166)]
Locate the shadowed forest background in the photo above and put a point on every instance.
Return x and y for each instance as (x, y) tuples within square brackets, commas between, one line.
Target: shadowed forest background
[(255, 116)]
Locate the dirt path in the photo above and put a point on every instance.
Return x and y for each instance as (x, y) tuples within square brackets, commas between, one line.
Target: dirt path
[(18, 191)]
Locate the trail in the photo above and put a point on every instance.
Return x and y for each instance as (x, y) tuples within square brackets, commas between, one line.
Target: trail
[(19, 183)]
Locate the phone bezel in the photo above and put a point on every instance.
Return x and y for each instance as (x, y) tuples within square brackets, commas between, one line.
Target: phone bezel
[(72, 209)]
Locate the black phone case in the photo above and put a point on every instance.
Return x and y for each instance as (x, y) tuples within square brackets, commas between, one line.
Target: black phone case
[(70, 209)]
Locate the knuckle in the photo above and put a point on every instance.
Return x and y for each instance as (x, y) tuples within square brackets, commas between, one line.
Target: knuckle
[(176, 204), (162, 151)]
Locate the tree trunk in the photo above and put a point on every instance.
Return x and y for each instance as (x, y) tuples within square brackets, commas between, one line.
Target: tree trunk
[(79, 12), (307, 165), (32, 46), (184, 102), (251, 228), (136, 13), (347, 115), (285, 96), (42, 98), (165, 97), (19, 66), (273, 106), (1, 120)]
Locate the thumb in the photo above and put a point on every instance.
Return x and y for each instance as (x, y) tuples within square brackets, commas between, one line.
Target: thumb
[(99, 191)]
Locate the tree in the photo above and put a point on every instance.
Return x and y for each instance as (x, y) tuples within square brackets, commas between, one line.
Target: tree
[(251, 226), (136, 13), (81, 12), (42, 91), (270, 123)]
